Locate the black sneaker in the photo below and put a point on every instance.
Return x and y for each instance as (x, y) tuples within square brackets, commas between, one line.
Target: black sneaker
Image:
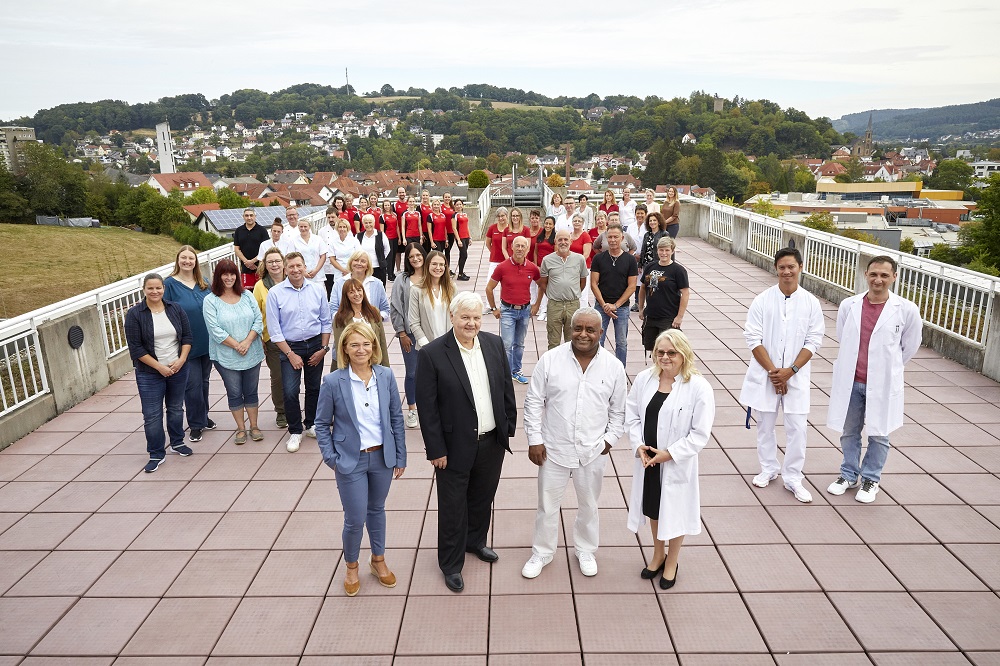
[(634, 308), (153, 464), (212, 425), (182, 450), (195, 435), (464, 278)]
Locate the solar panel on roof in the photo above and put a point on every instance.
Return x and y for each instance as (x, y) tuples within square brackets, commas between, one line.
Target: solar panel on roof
[(229, 219)]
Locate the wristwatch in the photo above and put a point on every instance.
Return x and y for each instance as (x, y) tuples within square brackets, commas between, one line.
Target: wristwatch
[(326, 348), (795, 368)]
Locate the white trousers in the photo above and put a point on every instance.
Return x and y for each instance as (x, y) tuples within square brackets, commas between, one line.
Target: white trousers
[(585, 293), (534, 295), (795, 444), (552, 481)]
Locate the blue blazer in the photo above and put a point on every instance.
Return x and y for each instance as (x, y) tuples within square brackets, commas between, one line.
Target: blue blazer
[(336, 421)]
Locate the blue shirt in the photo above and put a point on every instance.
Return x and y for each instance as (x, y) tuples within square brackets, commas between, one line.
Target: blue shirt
[(366, 406), (236, 320), (297, 314), (191, 301)]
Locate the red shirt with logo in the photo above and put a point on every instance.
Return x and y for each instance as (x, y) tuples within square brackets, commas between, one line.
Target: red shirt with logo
[(412, 224), (391, 223), (515, 281), (462, 224), (449, 216), (439, 229)]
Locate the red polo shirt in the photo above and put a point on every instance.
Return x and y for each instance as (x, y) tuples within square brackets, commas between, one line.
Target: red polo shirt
[(449, 215), (425, 217), (400, 208), (439, 223), (391, 225), (412, 220), (515, 281)]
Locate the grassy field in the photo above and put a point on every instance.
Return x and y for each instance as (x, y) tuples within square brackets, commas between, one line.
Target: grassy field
[(523, 107), (382, 100), (45, 265)]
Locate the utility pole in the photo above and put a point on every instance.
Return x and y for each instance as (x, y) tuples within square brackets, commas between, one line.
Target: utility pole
[(348, 81)]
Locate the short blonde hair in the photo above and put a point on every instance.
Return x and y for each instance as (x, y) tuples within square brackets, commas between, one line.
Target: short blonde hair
[(681, 343), (365, 330), (361, 254)]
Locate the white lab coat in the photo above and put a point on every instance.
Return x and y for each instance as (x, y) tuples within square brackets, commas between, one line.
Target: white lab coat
[(784, 329), (683, 429), (895, 339)]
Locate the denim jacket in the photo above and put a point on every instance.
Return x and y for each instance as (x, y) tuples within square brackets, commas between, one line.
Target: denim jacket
[(139, 331)]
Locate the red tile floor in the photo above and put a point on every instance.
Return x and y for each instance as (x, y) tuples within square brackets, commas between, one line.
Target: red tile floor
[(233, 555)]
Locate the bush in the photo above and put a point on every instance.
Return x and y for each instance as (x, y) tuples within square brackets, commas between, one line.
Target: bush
[(765, 207), (555, 180), (906, 245), (479, 180), (196, 238)]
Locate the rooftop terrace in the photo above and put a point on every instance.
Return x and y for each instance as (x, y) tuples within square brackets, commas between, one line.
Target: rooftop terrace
[(233, 555)]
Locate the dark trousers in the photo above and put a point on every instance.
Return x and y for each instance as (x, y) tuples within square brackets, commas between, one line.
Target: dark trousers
[(155, 392), (379, 274), (329, 280), (463, 254), (465, 502), (394, 250), (447, 249), (290, 382), (196, 393)]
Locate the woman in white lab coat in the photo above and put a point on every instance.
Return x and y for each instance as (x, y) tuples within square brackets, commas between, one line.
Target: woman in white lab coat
[(668, 416)]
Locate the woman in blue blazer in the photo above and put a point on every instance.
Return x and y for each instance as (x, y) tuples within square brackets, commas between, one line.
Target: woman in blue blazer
[(359, 427)]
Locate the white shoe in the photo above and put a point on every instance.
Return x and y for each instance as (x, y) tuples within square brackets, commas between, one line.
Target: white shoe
[(542, 316), (310, 432), (588, 564), (412, 421), (840, 486), (764, 478), (293, 443), (797, 489), (534, 566), (869, 489)]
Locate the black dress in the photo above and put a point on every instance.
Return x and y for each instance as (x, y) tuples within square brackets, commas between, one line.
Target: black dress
[(651, 479)]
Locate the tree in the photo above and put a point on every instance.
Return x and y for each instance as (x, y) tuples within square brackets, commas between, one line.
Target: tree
[(765, 207), (478, 179), (229, 199), (203, 195), (951, 175), (907, 246), (982, 237), (51, 185), (855, 170), (597, 173), (555, 180), (387, 91)]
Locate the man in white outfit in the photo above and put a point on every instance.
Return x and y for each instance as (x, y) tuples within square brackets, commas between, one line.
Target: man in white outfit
[(784, 328), (573, 413), (879, 333)]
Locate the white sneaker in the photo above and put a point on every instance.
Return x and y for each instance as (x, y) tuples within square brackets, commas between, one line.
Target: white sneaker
[(840, 486), (588, 564), (869, 489), (797, 489), (542, 316), (293, 443), (412, 421), (534, 566), (310, 432), (764, 478)]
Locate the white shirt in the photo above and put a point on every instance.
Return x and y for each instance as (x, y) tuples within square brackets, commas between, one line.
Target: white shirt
[(572, 412), (366, 406), (626, 213), (369, 246), (268, 244), (165, 341), (311, 251), (475, 366), (652, 207)]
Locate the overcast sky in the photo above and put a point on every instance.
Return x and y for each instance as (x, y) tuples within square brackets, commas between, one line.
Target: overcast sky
[(826, 59)]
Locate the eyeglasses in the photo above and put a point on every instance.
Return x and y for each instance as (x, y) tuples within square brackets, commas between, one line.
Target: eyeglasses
[(354, 346), (671, 354)]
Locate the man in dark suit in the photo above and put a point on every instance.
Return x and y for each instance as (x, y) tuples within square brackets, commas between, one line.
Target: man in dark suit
[(465, 400)]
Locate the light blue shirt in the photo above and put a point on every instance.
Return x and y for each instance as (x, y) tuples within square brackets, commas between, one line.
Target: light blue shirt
[(224, 320), (297, 314), (373, 288), (366, 407)]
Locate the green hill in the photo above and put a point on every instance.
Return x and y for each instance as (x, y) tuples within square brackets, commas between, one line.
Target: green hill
[(924, 123)]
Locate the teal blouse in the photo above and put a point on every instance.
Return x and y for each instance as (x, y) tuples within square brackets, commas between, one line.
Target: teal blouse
[(237, 320)]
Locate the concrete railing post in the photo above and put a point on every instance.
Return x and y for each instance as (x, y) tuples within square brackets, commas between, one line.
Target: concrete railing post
[(74, 374)]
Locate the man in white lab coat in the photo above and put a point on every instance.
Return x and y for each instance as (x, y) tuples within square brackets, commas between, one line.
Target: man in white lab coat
[(784, 329), (878, 332)]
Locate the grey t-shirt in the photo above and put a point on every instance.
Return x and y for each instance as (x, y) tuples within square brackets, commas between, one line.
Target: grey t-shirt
[(564, 276)]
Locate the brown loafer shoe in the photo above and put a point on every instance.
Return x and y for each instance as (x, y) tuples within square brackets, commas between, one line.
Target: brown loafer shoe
[(351, 589), (389, 580)]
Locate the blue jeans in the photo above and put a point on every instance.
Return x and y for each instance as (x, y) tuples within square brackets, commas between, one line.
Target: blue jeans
[(513, 328), (241, 386), (196, 393), (410, 362), (362, 494), (290, 383), (621, 331), (850, 442), (155, 390)]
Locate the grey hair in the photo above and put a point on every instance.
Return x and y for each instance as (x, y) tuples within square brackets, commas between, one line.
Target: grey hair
[(466, 300), (585, 312), (366, 217), (666, 241), (502, 210), (578, 216)]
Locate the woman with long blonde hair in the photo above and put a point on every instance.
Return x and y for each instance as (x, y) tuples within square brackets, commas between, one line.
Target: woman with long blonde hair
[(428, 310)]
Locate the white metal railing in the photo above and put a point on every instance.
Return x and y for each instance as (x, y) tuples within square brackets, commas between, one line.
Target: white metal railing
[(485, 202), (763, 237), (22, 373), (953, 300), (721, 223), (830, 262)]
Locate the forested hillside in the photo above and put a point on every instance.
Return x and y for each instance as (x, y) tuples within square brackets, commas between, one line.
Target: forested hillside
[(925, 123)]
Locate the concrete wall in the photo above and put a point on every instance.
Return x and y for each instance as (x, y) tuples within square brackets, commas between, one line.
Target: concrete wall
[(74, 374)]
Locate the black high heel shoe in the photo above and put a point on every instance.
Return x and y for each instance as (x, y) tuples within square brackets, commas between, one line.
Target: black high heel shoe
[(666, 584), (650, 574)]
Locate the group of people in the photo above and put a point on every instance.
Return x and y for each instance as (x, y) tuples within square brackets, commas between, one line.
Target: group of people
[(459, 382)]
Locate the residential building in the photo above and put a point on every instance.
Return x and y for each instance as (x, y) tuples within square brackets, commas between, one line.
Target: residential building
[(185, 183), (10, 136)]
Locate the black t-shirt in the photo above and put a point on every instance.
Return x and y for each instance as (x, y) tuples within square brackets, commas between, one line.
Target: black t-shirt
[(663, 289), (249, 242), (614, 274)]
